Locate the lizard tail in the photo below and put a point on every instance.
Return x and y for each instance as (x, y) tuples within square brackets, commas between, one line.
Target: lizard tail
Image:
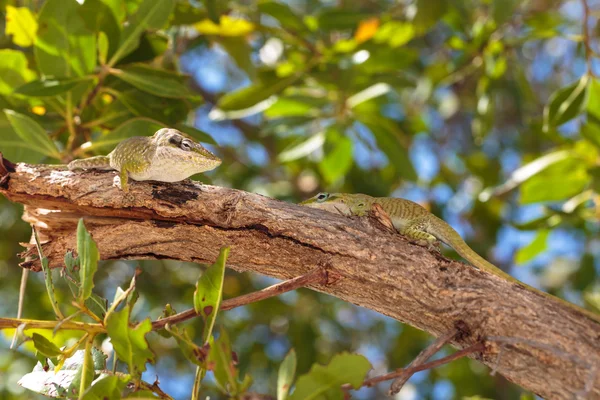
[(98, 162), (444, 232)]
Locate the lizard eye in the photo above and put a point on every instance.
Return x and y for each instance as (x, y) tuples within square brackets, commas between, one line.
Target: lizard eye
[(322, 196), (360, 205), (185, 145)]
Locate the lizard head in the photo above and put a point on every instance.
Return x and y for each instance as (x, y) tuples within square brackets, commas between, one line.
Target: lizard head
[(184, 148), (340, 203)]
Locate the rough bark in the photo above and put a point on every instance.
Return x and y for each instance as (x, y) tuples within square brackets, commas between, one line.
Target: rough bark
[(545, 347)]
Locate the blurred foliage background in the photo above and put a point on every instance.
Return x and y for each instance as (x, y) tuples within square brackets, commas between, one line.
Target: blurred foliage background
[(485, 111)]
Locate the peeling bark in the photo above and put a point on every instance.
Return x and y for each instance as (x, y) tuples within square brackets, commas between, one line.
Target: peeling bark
[(545, 347)]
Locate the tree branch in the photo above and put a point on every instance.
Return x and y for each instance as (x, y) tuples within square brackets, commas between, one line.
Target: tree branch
[(377, 269)]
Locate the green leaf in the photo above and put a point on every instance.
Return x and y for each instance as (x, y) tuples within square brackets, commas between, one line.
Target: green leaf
[(101, 17), (88, 259), (395, 33), (209, 292), (129, 343), (94, 303), (86, 371), (338, 160), (102, 47), (188, 14), (32, 134), (151, 14), (251, 95), (43, 379), (591, 132), (45, 346), (325, 381), (241, 52), (537, 246), (64, 46), (166, 111), (560, 181), (197, 134), (14, 70), (14, 148), (593, 104), (284, 14), (336, 19), (224, 368), (158, 82), (133, 127), (21, 23), (194, 353), (108, 387), (303, 148), (566, 103), (287, 371), (389, 140), (429, 12), (152, 45), (48, 87)]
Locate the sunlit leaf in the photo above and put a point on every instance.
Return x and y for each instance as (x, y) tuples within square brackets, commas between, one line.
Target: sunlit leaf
[(209, 292), (21, 23), (395, 33), (88, 260), (535, 247), (228, 26), (14, 70), (32, 134), (325, 381), (303, 149), (46, 381), (287, 372), (561, 181)]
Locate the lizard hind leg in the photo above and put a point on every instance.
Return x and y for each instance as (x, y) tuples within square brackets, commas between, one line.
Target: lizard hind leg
[(421, 237)]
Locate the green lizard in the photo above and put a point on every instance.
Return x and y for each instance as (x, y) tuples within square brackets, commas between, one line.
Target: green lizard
[(167, 156), (418, 224)]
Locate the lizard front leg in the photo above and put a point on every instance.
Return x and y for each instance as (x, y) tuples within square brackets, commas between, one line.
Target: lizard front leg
[(123, 177)]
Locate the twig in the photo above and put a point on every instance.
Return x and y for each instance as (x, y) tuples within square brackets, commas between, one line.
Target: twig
[(586, 37), (423, 356), (412, 370), (317, 275), (35, 324)]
